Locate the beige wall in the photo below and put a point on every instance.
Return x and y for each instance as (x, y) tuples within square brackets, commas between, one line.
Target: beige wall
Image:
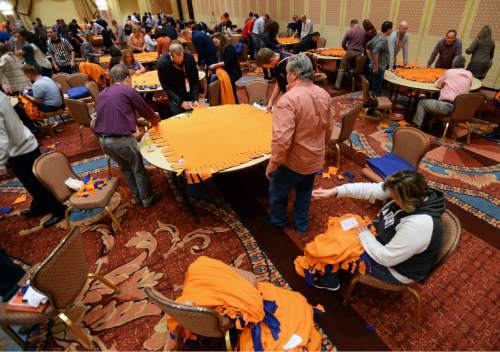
[(50, 10), (428, 19), (128, 7)]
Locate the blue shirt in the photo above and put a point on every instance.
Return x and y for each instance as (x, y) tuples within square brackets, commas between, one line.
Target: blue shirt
[(207, 51), (47, 91)]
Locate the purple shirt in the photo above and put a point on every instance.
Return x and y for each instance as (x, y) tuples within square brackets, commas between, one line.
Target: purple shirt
[(116, 108), (354, 39)]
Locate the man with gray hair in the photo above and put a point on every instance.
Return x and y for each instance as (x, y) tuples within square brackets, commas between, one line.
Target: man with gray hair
[(115, 126), (179, 79), (398, 40), (302, 127), (455, 81)]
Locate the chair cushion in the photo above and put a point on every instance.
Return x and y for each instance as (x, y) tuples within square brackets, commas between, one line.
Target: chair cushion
[(389, 164), (78, 92), (384, 103), (8, 317), (371, 175), (98, 199)]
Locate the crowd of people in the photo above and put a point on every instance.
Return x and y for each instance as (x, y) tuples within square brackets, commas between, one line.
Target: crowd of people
[(302, 119)]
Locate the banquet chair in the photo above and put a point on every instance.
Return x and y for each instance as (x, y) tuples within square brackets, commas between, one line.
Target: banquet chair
[(452, 231), (464, 110), (57, 113), (257, 91), (343, 133), (53, 168), (214, 93), (384, 104), (93, 90), (409, 143), (77, 79), (79, 111), (321, 42), (198, 320), (61, 277), (357, 70), (62, 79), (244, 61)]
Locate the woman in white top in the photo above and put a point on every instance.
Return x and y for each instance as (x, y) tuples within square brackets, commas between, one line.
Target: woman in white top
[(150, 44), (409, 229)]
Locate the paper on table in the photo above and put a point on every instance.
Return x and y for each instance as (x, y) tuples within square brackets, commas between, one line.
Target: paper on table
[(349, 223)]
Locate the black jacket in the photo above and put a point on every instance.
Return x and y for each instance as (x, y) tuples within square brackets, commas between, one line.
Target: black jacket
[(305, 44), (172, 78), (420, 265), (231, 63)]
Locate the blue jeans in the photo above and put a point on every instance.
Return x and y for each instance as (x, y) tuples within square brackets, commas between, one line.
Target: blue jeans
[(382, 272), (282, 183), (376, 81)]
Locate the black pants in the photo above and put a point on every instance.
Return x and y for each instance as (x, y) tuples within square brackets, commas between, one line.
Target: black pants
[(25, 118), (43, 199), (66, 69)]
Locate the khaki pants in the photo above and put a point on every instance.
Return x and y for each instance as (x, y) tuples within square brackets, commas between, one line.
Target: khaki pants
[(349, 60)]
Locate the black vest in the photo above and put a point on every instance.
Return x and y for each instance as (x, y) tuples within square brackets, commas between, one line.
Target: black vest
[(420, 265)]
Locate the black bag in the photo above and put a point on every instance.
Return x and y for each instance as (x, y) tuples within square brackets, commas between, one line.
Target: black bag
[(10, 274)]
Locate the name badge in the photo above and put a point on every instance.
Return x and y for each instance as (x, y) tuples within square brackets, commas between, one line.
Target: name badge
[(186, 82)]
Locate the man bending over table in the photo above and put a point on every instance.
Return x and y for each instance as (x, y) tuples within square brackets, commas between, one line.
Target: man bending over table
[(116, 124), (179, 79), (302, 126), (454, 82)]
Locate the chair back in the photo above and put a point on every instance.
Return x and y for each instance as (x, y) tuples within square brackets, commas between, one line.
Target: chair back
[(452, 231), (321, 42), (214, 92), (52, 169), (348, 122), (62, 79), (365, 87), (466, 105), (77, 79), (257, 91), (410, 144), (199, 320), (244, 54), (79, 111), (62, 276), (359, 64), (93, 90)]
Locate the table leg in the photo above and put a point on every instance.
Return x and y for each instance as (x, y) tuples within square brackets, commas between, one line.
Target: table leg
[(185, 199)]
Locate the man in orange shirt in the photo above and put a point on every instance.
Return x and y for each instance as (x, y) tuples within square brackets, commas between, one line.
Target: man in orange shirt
[(302, 126), (163, 42)]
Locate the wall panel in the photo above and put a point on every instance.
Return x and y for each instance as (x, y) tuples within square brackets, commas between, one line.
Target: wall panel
[(447, 14), (298, 7), (315, 12), (285, 10), (411, 12), (333, 12), (488, 12)]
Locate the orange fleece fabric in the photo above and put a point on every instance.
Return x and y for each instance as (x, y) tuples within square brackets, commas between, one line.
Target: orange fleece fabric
[(336, 247), (421, 74), (226, 89)]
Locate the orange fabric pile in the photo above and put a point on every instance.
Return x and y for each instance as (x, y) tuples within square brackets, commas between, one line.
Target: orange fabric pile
[(95, 72), (339, 52), (213, 284), (30, 108), (339, 247), (226, 89), (420, 74), (213, 139), (288, 41)]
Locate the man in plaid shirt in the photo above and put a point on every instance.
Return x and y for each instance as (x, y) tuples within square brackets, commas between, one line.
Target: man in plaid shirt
[(61, 51)]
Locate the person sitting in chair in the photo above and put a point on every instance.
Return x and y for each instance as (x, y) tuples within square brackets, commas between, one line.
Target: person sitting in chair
[(46, 93), (409, 228)]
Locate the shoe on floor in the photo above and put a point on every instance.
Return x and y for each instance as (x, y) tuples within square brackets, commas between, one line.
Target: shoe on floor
[(154, 198), (33, 213), (52, 221), (329, 281), (267, 220)]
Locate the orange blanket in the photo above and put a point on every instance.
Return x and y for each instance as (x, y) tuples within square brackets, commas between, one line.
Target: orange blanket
[(226, 89), (30, 108), (421, 74), (96, 73), (288, 41), (213, 139), (268, 315), (339, 52), (339, 247)]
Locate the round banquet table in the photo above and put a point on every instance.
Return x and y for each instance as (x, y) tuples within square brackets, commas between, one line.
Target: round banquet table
[(416, 87), (143, 58), (155, 157), (151, 78), (392, 78), (318, 56)]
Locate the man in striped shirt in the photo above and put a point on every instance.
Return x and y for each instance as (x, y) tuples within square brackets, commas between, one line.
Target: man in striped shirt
[(61, 51)]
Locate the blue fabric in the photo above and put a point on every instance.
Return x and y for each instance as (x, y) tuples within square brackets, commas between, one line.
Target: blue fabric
[(78, 93), (272, 323), (282, 183), (238, 48), (389, 164)]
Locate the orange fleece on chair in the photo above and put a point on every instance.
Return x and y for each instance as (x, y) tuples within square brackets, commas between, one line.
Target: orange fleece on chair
[(213, 139), (336, 247), (226, 89), (30, 108), (214, 284), (95, 72), (296, 317)]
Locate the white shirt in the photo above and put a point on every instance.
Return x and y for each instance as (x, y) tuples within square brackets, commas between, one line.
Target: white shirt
[(150, 43), (15, 138), (258, 26), (413, 233), (307, 28)]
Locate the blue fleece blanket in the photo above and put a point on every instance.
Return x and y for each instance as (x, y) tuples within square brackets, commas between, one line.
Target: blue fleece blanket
[(389, 164)]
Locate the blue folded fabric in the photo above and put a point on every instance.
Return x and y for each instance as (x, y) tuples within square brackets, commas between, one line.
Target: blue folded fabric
[(78, 93), (389, 164)]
